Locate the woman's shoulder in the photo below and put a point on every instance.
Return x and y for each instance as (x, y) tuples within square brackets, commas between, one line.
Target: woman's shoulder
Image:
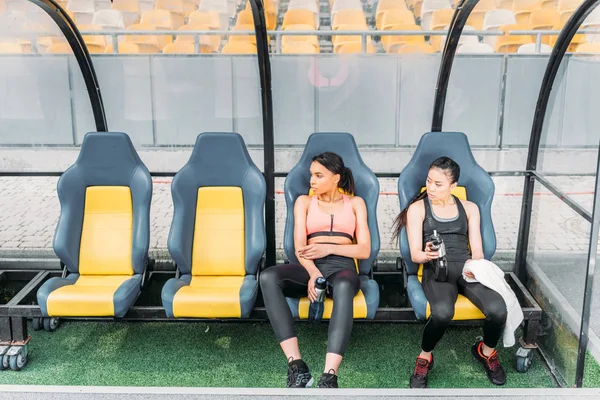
[(356, 200), (469, 206), (417, 207), (303, 200)]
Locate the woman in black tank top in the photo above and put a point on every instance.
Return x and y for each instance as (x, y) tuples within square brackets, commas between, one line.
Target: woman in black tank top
[(457, 222)]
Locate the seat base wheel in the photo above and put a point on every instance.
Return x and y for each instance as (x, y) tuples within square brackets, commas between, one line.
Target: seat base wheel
[(50, 324), (524, 359)]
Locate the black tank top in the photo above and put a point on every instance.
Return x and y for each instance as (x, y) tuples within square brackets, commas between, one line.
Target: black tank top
[(454, 232)]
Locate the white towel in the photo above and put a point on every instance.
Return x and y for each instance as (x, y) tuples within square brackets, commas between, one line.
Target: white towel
[(490, 275)]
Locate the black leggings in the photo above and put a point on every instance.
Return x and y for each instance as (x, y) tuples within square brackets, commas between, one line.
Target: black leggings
[(291, 280), (442, 296)]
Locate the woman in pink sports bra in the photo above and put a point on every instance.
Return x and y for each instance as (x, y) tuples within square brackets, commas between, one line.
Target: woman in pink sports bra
[(330, 231)]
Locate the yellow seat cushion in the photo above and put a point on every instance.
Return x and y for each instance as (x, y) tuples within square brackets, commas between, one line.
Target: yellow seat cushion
[(209, 297), (106, 235), (464, 310), (360, 307), (89, 296), (218, 247)]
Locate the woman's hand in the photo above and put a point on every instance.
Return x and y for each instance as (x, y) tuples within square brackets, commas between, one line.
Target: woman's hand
[(430, 254), (314, 251), (312, 293), (469, 274)]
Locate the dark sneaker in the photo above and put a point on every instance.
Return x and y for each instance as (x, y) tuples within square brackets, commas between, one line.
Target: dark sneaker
[(418, 380), (298, 374), (328, 380), (491, 364)]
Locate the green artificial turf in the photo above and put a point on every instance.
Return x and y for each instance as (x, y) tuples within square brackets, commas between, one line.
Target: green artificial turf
[(247, 355), (591, 372)]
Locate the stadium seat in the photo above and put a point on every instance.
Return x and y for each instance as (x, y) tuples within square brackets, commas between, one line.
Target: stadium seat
[(348, 17), (355, 47), (396, 17), (110, 20), (310, 5), (130, 10), (210, 18), (297, 183), (475, 48), (208, 43), (162, 19), (59, 48), (428, 8), (130, 48), (510, 43), (523, 9), (270, 13), (463, 37), (549, 4), (83, 10), (148, 44), (10, 48), (592, 22), (299, 48), (588, 48), (440, 20), (290, 39), (239, 48), (494, 19), (103, 232), (543, 19), (94, 43), (391, 6), (181, 48), (566, 8), (529, 48), (175, 7), (295, 17), (474, 184), (575, 41), (217, 237), (410, 48), (478, 14), (391, 42), (220, 7)]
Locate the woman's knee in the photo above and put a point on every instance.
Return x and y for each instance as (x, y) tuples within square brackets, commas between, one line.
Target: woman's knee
[(496, 312), (345, 289), (269, 278), (442, 314)]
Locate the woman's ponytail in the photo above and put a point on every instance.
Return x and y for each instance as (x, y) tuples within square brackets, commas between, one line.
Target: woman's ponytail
[(400, 221), (347, 181)]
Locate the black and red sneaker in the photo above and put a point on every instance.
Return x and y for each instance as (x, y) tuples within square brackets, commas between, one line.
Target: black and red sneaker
[(491, 364), (418, 380)]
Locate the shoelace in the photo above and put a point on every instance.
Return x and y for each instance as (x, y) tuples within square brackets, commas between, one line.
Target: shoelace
[(293, 377), (328, 382), (422, 367), (493, 362)]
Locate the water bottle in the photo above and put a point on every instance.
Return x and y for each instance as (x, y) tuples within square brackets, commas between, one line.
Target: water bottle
[(440, 265), (320, 288), (316, 308)]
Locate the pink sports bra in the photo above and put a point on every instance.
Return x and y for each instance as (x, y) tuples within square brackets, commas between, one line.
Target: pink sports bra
[(319, 223)]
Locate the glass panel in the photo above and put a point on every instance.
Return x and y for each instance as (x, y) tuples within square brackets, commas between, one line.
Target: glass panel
[(574, 107), (37, 130), (556, 262)]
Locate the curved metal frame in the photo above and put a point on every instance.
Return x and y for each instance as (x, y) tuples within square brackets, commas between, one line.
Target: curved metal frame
[(558, 52), (68, 28), (459, 19), (264, 69)]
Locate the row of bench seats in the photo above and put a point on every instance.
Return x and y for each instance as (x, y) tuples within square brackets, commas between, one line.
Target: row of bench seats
[(217, 236)]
